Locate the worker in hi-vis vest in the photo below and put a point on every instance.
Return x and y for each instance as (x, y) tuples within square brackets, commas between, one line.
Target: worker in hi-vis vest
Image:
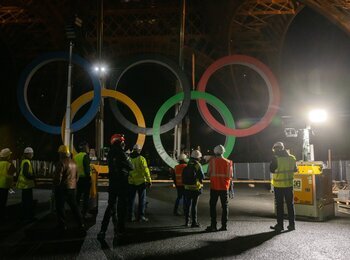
[(177, 178), (26, 183), (220, 172), (282, 168), (82, 160), (139, 180), (7, 171)]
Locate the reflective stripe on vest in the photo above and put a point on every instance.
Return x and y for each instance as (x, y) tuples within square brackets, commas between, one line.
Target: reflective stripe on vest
[(5, 179), (196, 186), (220, 173), (284, 174), (178, 173), (79, 160), (23, 182)]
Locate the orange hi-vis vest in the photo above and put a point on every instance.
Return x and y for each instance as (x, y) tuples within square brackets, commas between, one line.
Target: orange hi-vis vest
[(178, 174), (220, 172)]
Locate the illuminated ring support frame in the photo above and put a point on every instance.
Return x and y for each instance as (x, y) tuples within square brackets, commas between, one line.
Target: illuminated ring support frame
[(28, 73), (184, 84), (264, 72), (85, 98), (195, 95)]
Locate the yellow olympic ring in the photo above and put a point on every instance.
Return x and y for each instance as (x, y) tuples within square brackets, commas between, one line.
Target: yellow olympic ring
[(85, 98)]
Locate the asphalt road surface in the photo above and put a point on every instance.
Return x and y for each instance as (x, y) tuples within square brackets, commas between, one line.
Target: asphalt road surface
[(165, 237)]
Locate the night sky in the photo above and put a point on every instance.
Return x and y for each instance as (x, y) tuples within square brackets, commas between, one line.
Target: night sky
[(315, 72)]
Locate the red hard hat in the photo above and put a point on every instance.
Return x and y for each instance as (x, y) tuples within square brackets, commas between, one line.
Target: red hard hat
[(117, 137)]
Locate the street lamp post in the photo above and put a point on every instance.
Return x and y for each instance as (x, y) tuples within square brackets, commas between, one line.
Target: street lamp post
[(67, 129), (72, 31), (101, 71)]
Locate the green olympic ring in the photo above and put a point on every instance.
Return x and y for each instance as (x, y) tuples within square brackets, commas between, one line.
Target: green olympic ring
[(212, 100)]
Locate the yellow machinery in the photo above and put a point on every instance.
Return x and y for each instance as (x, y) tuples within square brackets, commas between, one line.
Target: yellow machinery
[(313, 196)]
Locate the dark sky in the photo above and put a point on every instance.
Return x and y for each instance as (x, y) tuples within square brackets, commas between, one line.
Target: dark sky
[(315, 62)]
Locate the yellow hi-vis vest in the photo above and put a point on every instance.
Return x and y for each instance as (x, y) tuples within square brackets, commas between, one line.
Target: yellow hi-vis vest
[(79, 160), (141, 172), (283, 175), (23, 182), (5, 179)]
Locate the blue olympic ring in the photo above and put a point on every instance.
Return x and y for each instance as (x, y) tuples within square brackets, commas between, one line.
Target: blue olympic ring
[(29, 72)]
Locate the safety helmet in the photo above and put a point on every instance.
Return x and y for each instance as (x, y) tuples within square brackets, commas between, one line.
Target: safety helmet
[(137, 148), (63, 149), (182, 157), (278, 146), (28, 150), (219, 149), (4, 153), (196, 154), (117, 138)]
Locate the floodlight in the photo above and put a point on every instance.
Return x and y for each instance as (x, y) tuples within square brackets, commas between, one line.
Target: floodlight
[(318, 115)]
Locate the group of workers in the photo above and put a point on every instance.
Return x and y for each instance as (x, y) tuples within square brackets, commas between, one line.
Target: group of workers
[(188, 178), (25, 181), (129, 174)]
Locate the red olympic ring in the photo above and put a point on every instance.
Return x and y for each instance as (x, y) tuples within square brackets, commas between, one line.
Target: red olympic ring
[(264, 72)]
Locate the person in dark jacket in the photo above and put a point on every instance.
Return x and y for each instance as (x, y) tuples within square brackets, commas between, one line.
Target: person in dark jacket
[(192, 178), (82, 160), (119, 167), (65, 182)]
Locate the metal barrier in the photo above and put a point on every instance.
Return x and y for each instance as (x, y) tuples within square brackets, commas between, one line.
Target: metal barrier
[(242, 171)]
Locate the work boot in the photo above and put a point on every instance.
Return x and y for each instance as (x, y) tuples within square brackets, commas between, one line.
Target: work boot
[(187, 224), (101, 235), (143, 219), (211, 228), (277, 228), (291, 227), (176, 213), (195, 225), (223, 228)]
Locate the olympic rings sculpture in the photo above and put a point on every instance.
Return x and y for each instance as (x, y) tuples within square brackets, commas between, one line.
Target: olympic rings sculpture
[(184, 84), (85, 98), (28, 73), (185, 97), (214, 101)]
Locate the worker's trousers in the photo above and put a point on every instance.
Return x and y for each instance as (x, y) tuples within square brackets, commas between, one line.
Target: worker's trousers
[(83, 189), (286, 194), (141, 191), (214, 196), (117, 206), (191, 202), (180, 195), (63, 195)]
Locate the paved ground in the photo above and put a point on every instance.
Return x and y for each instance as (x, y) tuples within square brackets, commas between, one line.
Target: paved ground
[(164, 237)]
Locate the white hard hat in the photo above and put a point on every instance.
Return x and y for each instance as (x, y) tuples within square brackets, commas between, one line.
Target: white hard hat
[(278, 146), (28, 150), (196, 154), (182, 157), (219, 149), (137, 147), (5, 152)]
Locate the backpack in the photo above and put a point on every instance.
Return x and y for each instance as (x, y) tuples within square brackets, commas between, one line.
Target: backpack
[(189, 175)]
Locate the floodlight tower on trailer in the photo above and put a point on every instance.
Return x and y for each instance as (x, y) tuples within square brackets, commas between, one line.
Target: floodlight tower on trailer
[(313, 196)]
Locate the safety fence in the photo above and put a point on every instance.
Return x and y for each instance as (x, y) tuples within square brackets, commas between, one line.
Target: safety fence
[(242, 171)]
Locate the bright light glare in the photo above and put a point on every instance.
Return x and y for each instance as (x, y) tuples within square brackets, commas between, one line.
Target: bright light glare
[(318, 115), (100, 68)]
